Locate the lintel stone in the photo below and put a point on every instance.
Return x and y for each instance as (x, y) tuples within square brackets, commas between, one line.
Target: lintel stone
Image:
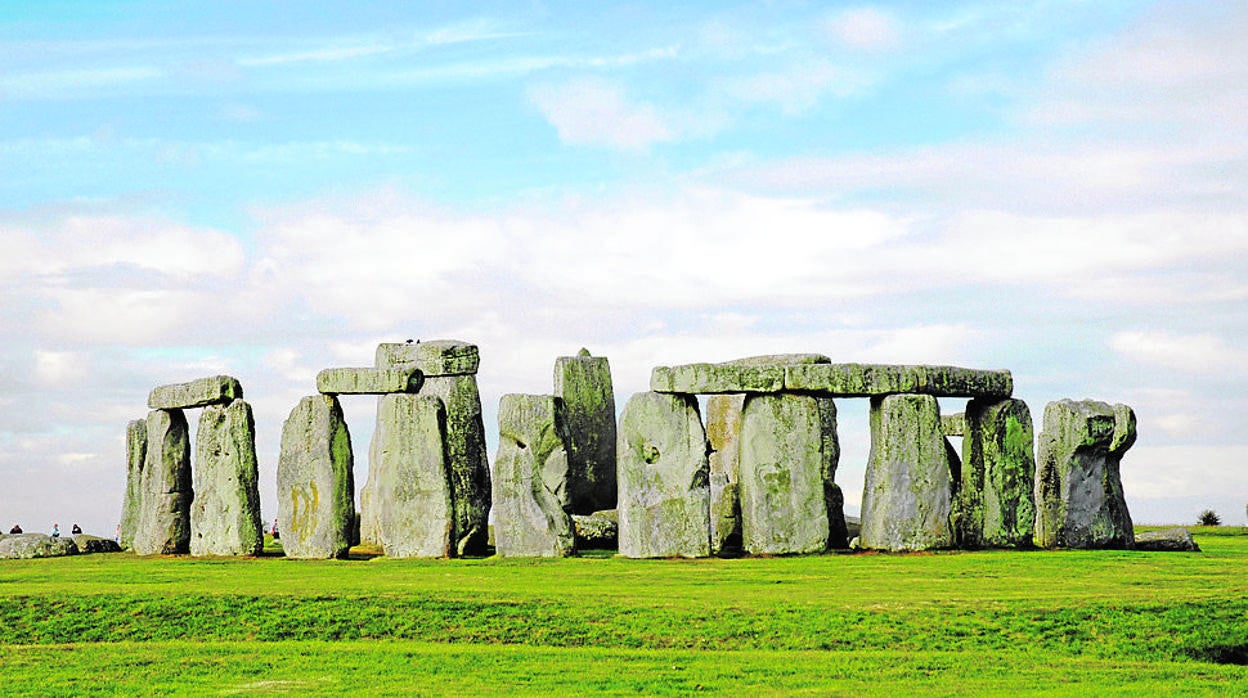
[(217, 390), (369, 381), (871, 380), (439, 357)]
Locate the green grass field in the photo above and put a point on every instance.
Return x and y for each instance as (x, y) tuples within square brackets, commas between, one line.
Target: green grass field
[(1064, 623)]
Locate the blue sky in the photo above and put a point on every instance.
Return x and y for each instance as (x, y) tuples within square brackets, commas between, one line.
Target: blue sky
[(268, 189)]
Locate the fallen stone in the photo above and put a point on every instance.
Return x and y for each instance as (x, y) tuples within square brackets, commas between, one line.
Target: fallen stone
[(908, 488), (411, 487), (225, 515), (953, 424), (94, 544), (664, 488), (315, 482), (217, 390), (1078, 483), (1167, 540), (368, 381), (440, 357), (995, 506), (597, 531), (132, 505), (25, 546), (788, 459), (872, 380), (583, 382), (530, 479), (165, 520), (723, 433)]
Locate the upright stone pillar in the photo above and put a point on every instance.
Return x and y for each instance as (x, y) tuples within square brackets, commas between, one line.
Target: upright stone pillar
[(995, 506), (315, 484), (412, 490), (907, 493), (789, 454), (664, 488), (531, 478), (225, 517), (723, 433), (1078, 482), (132, 506), (583, 382), (450, 369), (165, 521)]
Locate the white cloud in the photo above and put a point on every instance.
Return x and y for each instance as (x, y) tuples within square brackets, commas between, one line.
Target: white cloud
[(865, 29), (59, 369), (1203, 354), (800, 86), (596, 112)]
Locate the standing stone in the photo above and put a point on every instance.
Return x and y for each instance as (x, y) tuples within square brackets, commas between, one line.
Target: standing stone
[(412, 491), (132, 507), (584, 384), (789, 454), (723, 433), (315, 484), (449, 367), (1078, 483), (531, 478), (225, 517), (907, 493), (165, 521), (995, 505), (664, 487)]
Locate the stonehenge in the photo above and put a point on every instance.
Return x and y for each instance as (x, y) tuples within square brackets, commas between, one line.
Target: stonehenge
[(755, 475)]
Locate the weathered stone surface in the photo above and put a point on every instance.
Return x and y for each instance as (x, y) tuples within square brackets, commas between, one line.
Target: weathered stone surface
[(723, 433), (779, 360), (217, 390), (907, 492), (717, 378), (25, 546), (315, 482), (953, 424), (530, 479), (871, 380), (165, 520), (664, 488), (411, 486), (225, 516), (132, 505), (597, 531), (368, 381), (995, 506), (789, 454), (440, 357), (583, 382), (1167, 540), (1078, 483), (466, 460), (94, 544)]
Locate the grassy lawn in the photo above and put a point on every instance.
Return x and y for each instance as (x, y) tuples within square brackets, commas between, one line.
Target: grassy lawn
[(1063, 623)]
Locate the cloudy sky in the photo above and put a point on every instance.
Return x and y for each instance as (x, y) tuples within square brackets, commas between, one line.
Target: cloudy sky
[(1056, 187)]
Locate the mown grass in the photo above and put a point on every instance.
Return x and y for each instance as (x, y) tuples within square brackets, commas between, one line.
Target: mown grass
[(944, 624)]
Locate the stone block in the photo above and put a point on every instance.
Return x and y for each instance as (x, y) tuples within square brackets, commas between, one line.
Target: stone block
[(1078, 480), (717, 378), (217, 390), (315, 481), (26, 546), (1167, 540), (439, 357), (132, 505), (908, 488), (165, 520), (94, 544), (597, 531), (530, 480), (225, 515), (664, 488), (411, 486), (872, 380), (788, 458), (368, 381), (995, 505), (953, 424), (723, 433), (466, 459), (583, 382)]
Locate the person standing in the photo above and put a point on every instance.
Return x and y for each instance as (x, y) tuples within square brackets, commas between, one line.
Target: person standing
[(56, 530)]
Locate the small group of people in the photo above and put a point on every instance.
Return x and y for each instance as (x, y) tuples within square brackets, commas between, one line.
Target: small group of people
[(56, 530)]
